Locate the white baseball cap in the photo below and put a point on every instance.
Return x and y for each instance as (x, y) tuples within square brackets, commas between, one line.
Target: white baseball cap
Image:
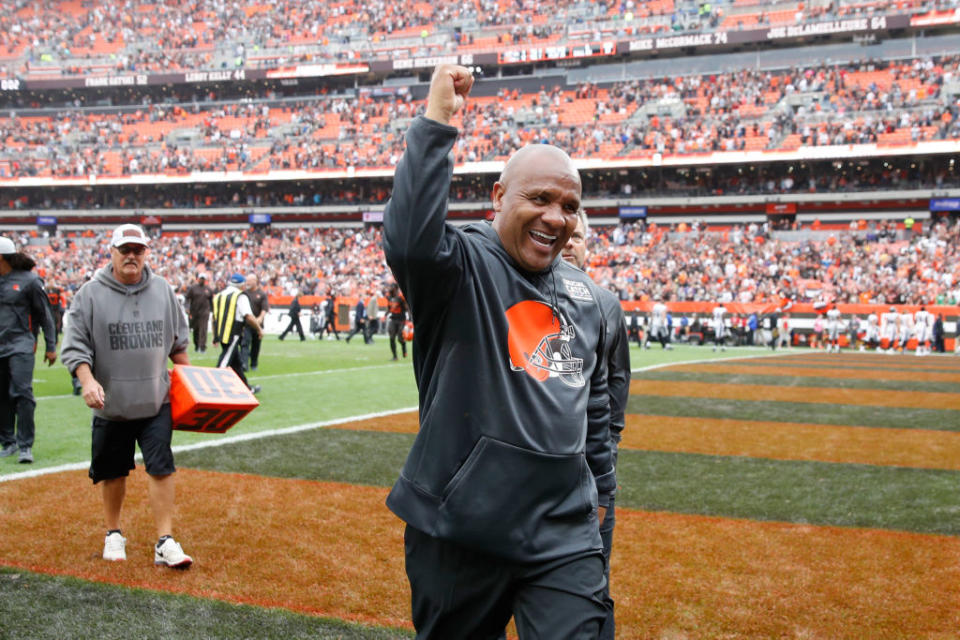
[(129, 234), (7, 247)]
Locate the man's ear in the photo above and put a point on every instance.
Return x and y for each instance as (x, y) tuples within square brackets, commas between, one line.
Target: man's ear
[(497, 196)]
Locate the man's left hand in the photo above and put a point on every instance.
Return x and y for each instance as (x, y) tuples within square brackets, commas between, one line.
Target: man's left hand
[(50, 357), (601, 514)]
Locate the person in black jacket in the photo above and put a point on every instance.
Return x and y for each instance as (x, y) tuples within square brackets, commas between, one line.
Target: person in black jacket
[(618, 386), (509, 476), (329, 318), (359, 320), (938, 342), (55, 299), (294, 314), (199, 298), (23, 308), (259, 305)]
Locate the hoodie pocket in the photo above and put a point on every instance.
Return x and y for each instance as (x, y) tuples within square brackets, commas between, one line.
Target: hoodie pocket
[(133, 398), (521, 504)]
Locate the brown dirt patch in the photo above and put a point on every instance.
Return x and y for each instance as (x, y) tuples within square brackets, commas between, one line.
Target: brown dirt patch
[(771, 393), (408, 422), (794, 441), (872, 373), (677, 576), (320, 548), (845, 361)]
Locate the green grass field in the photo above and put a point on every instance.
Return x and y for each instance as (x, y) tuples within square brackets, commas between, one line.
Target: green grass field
[(308, 385)]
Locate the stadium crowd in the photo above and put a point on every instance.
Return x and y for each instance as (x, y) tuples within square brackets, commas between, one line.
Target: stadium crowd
[(896, 102), (870, 263), (73, 38)]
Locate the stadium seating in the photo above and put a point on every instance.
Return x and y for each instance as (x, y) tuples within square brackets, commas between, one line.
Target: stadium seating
[(894, 104), (75, 38)]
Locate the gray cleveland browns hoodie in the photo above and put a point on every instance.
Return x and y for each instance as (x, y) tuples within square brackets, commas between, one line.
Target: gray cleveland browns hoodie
[(125, 334)]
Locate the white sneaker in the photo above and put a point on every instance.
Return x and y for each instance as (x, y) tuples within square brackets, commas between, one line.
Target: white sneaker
[(114, 547), (171, 554)]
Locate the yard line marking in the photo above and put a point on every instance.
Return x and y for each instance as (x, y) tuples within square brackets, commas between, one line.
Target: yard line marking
[(74, 466)]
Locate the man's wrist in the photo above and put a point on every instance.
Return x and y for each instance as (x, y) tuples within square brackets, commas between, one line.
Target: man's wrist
[(437, 116)]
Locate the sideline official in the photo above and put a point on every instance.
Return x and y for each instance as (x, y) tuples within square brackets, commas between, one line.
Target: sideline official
[(231, 311)]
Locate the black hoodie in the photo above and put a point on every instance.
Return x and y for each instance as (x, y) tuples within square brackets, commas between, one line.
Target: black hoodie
[(514, 441), (24, 308)]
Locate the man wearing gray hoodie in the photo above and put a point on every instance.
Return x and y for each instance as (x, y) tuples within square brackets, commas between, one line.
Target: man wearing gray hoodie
[(122, 326)]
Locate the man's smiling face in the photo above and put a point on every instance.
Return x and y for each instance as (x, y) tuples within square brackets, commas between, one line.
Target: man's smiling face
[(536, 202)]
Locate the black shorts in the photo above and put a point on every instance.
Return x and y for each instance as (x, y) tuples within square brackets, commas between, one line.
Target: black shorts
[(114, 446)]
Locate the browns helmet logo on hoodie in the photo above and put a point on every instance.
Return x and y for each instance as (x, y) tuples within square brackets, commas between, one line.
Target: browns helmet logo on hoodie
[(539, 343)]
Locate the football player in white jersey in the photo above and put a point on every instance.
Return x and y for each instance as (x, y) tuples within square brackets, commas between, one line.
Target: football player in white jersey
[(834, 325), (784, 337), (872, 335), (889, 322), (923, 328), (719, 327), (905, 330), (658, 325)]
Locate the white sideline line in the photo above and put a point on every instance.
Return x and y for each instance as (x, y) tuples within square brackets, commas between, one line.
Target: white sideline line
[(277, 375), (75, 466)]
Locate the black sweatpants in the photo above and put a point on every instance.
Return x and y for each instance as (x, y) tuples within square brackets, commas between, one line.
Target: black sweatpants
[(464, 594), (294, 324), (17, 404), (395, 331), (250, 348)]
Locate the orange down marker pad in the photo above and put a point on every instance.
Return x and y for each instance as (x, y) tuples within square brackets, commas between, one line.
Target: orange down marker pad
[(207, 399)]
